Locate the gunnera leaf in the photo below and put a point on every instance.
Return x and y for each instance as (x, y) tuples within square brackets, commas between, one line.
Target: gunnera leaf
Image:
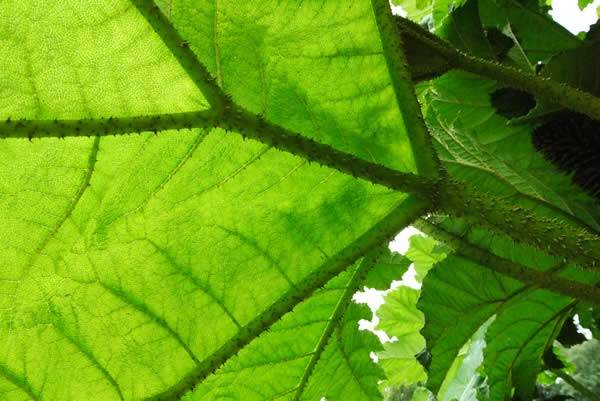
[(134, 266)]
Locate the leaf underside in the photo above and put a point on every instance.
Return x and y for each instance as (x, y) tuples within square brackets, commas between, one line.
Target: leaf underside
[(194, 264), (134, 265)]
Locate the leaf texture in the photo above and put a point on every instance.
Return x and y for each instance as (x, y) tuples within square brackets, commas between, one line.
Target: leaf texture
[(270, 56), (136, 265), (314, 351)]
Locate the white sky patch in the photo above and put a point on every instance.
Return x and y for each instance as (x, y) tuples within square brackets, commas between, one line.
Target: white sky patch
[(374, 299), (568, 14), (565, 12), (397, 10), (587, 333), (400, 242)]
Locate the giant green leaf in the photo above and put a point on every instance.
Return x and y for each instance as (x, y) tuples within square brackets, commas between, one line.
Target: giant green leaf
[(186, 189), (134, 266)]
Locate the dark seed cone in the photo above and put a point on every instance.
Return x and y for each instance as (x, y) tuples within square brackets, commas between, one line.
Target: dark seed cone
[(568, 335), (511, 103), (571, 141)]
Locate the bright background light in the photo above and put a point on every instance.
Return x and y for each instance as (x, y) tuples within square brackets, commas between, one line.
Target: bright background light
[(374, 298), (568, 14)]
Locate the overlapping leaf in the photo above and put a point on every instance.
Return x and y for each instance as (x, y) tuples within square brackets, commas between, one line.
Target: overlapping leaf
[(523, 21), (479, 147), (401, 319), (424, 252), (525, 320), (573, 67)]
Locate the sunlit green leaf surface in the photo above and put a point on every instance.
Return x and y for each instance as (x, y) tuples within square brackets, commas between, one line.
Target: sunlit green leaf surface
[(133, 264)]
